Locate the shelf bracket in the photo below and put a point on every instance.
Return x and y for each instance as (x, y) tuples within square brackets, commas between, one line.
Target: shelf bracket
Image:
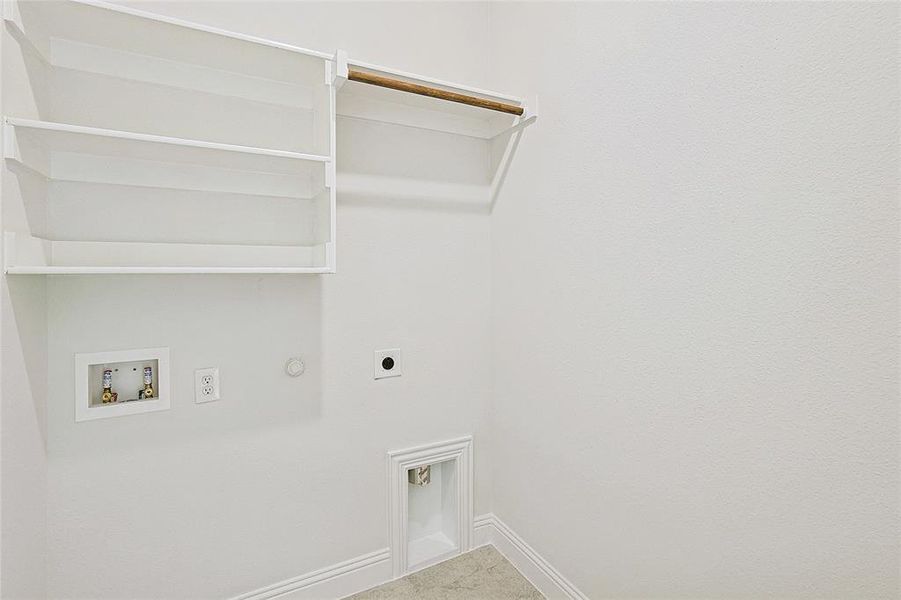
[(503, 166), (340, 75), (10, 143), (12, 15), (9, 250), (522, 124), (515, 132)]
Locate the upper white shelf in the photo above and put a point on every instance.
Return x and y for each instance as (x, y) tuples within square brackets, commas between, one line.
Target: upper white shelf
[(97, 24)]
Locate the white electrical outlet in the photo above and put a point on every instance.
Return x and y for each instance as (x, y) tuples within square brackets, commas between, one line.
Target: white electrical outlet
[(206, 385), (388, 363)]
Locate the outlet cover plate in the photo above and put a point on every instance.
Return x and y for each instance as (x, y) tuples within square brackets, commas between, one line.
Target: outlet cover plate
[(388, 363), (206, 385)]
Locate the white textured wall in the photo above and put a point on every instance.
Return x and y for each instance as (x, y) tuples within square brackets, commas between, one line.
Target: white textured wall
[(23, 383), (23, 461), (695, 327), (695, 292), (282, 476)]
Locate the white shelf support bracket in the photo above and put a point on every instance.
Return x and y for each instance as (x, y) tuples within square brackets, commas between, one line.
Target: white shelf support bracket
[(531, 108), (330, 257), (329, 73), (340, 76), (528, 118), (9, 250), (23, 249), (10, 143), (12, 15), (497, 182), (38, 164), (523, 122)]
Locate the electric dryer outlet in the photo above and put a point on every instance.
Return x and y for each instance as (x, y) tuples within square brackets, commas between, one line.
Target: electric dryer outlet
[(388, 363)]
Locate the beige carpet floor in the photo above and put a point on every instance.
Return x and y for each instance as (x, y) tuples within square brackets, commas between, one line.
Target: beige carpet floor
[(482, 574)]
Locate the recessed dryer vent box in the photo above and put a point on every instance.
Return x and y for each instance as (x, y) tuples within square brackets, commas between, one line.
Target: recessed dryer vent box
[(127, 369)]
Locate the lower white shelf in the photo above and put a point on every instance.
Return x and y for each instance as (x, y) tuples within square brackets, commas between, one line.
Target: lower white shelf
[(162, 270), (29, 255), (403, 188)]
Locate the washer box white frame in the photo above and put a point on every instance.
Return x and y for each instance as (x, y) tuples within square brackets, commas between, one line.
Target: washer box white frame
[(83, 361), (458, 451)]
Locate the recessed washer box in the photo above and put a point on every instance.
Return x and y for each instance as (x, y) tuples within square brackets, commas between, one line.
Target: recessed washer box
[(127, 370)]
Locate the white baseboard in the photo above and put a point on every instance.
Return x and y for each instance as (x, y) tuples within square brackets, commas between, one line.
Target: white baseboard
[(369, 570), (483, 530), (546, 579), (336, 581)]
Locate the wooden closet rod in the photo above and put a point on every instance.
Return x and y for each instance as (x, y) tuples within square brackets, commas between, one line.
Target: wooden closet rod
[(432, 92)]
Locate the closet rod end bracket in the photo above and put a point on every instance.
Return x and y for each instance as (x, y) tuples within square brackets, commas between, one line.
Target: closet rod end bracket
[(340, 75)]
